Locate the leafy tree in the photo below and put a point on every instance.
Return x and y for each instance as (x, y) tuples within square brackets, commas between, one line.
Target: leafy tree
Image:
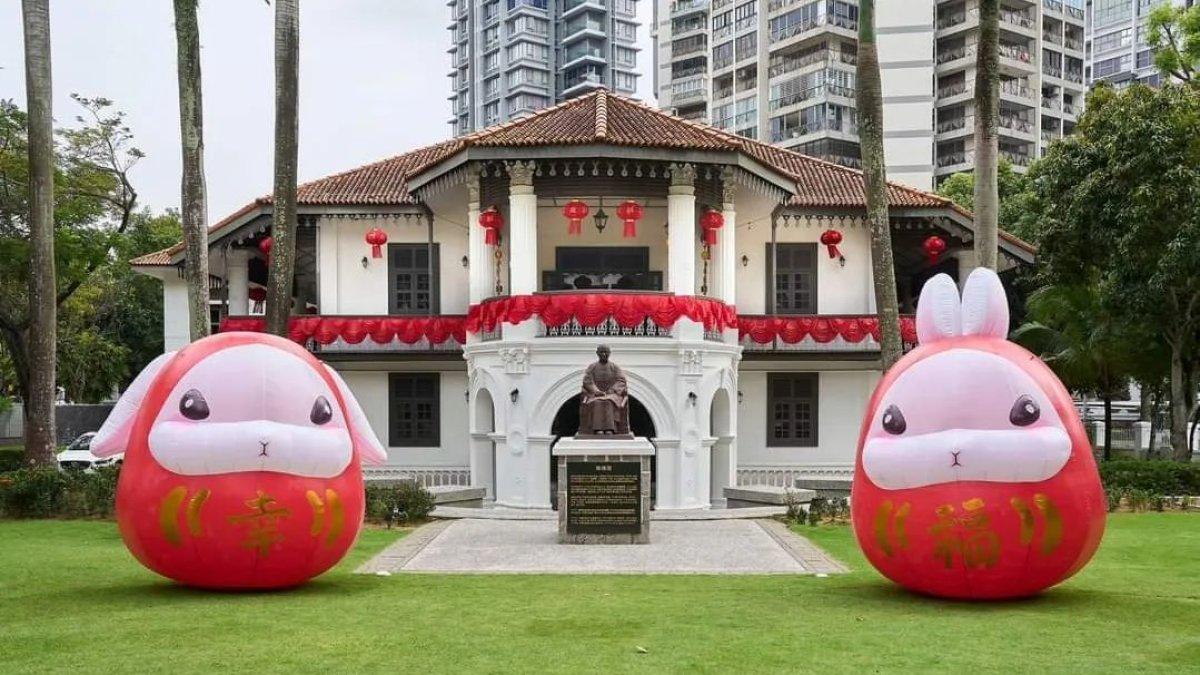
[(1082, 342), (870, 125), (1013, 186), (93, 203), (1118, 204), (1174, 36)]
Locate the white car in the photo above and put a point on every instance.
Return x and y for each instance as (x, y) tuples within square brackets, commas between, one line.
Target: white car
[(77, 456)]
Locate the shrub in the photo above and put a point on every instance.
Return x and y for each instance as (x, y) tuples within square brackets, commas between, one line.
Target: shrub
[(828, 509), (50, 493), (403, 502), (1160, 477), (12, 457)]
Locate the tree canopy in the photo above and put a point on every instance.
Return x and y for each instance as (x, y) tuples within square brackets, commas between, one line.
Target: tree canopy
[(1174, 36), (960, 189)]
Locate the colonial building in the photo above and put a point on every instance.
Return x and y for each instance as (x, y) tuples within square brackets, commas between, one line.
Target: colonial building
[(732, 280)]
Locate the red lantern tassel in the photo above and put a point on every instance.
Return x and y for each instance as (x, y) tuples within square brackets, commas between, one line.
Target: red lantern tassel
[(492, 238), (575, 226), (630, 229), (376, 251), (833, 251), (710, 237)]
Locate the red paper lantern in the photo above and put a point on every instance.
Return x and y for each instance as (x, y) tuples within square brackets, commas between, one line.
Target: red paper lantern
[(492, 221), (265, 245), (830, 239), (376, 237), (258, 295), (934, 247), (630, 212), (575, 211), (710, 222)]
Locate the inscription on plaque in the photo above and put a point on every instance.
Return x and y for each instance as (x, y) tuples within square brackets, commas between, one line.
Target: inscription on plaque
[(604, 497)]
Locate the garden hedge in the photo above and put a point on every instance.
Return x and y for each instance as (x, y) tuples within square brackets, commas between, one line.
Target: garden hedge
[(1160, 477), (11, 457)]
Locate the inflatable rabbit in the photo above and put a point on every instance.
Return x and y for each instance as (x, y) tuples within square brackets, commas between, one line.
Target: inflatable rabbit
[(974, 477), (242, 463)]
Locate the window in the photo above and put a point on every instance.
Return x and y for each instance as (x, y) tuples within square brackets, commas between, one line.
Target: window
[(1105, 12), (413, 410), (624, 82), (1111, 41), (409, 284), (795, 279), (746, 46), (792, 409), (528, 50)]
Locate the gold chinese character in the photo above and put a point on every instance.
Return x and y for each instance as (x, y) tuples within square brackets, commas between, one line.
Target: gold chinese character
[(969, 536), (263, 522)]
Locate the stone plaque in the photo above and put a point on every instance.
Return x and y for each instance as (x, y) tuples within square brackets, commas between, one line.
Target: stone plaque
[(604, 497)]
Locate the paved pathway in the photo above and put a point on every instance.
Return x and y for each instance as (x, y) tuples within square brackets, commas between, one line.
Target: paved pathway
[(676, 547), (503, 513)]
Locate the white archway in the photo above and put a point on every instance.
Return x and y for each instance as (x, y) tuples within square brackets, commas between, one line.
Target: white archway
[(483, 447), (567, 386), (723, 468)]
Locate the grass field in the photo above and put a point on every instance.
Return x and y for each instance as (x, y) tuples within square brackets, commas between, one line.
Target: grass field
[(71, 598)]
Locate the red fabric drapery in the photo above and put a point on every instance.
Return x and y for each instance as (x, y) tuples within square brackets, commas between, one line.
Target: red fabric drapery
[(592, 309), (354, 329), (792, 329)]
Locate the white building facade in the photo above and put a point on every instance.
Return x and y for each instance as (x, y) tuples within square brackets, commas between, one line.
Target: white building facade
[(784, 72), (749, 359)]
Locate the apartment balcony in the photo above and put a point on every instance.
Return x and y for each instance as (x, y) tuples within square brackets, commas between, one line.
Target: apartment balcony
[(1054, 7), (685, 7), (688, 96), (817, 333), (953, 127), (534, 7), (1051, 103), (1017, 125), (824, 57), (1014, 22), (1075, 76), (574, 57), (1017, 159), (800, 131), (723, 92), (954, 162), (1074, 44), (684, 73), (366, 334), (678, 50), (582, 83), (811, 26), (819, 91), (586, 29), (573, 7)]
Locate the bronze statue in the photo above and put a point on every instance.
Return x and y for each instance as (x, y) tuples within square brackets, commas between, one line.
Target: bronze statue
[(604, 405)]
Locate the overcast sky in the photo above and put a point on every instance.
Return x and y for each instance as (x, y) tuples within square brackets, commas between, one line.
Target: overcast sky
[(372, 83)]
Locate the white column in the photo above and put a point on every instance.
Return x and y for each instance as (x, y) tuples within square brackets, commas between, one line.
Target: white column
[(176, 332), (724, 271), (237, 277), (522, 229), (681, 230), (479, 254)]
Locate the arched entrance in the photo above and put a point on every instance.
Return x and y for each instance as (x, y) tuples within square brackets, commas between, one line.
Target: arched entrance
[(483, 448), (720, 428), (566, 423)]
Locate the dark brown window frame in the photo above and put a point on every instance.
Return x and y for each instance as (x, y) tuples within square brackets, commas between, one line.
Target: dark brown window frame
[(793, 441), (435, 292), (772, 282), (431, 441)]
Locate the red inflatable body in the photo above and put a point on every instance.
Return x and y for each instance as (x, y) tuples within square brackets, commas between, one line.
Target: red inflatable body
[(242, 464), (974, 477)]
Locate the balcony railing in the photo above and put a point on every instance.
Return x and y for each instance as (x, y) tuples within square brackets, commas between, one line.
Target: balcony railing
[(606, 328), (810, 93), (817, 333), (605, 313), (806, 25), (365, 334), (823, 56)]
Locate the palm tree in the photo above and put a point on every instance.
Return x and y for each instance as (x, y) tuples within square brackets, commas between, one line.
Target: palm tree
[(283, 221), (1081, 342), (40, 436), (987, 149), (870, 132), (191, 131)]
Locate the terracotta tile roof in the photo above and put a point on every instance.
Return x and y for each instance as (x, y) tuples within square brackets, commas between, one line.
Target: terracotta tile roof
[(600, 117)]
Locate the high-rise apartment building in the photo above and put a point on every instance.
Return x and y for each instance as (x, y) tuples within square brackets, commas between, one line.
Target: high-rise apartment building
[(783, 71), (509, 58), (1117, 51)]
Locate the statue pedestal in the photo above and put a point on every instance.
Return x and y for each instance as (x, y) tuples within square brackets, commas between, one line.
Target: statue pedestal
[(603, 490)]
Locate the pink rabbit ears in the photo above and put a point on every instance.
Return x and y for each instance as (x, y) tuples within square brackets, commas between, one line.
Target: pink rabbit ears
[(983, 309)]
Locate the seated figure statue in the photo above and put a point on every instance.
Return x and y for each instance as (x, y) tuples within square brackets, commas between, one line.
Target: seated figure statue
[(604, 405)]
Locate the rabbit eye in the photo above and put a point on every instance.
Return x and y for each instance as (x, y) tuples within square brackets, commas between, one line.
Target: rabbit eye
[(193, 406), (322, 412), (1024, 412), (893, 420)]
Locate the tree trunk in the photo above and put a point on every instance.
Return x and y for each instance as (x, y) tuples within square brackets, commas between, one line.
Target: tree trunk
[(1154, 408), (1179, 406), (40, 437), (987, 149), (1107, 426), (870, 131), (192, 195), (283, 222)]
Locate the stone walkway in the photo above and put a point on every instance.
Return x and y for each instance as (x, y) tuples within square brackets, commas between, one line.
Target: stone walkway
[(484, 546), (502, 513)]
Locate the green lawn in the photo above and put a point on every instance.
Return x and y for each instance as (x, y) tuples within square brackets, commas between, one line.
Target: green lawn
[(71, 598)]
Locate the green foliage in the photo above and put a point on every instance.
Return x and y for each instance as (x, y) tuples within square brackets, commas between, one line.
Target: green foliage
[(11, 457), (1014, 187), (50, 493), (1153, 476), (402, 502), (1174, 36)]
